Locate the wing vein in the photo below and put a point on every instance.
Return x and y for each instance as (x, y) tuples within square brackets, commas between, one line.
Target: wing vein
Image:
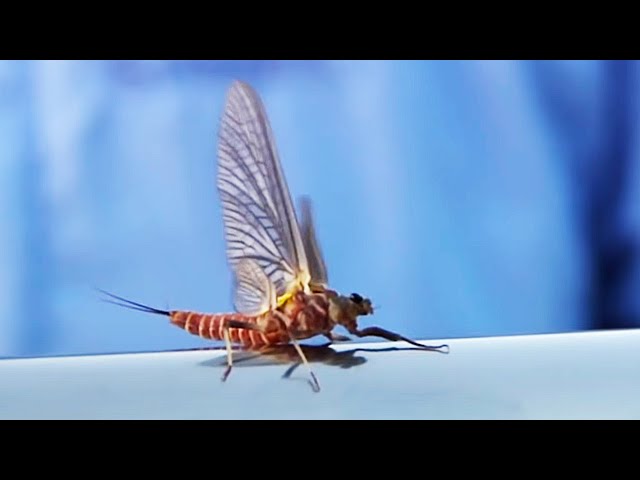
[(263, 240)]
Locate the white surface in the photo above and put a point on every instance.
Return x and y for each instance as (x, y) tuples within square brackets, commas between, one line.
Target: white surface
[(574, 376)]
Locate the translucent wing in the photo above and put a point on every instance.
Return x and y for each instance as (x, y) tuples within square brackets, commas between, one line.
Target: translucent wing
[(315, 259), (259, 219), (254, 292)]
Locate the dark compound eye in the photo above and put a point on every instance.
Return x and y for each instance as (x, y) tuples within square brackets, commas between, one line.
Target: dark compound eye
[(356, 298)]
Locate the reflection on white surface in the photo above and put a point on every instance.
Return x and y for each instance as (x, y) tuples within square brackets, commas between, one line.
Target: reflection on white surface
[(581, 375)]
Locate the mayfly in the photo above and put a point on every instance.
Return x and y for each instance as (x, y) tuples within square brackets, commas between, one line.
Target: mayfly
[(281, 287)]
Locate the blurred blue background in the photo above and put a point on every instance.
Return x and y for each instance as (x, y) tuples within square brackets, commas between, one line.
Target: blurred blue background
[(466, 198)]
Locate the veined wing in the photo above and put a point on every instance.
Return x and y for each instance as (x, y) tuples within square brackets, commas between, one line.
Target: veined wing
[(259, 219), (254, 292), (315, 259)]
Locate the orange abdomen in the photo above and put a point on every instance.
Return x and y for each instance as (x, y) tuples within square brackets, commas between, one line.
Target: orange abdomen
[(211, 326)]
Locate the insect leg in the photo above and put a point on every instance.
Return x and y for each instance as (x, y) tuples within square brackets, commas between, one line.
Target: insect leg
[(233, 324), (315, 385), (227, 341), (394, 337)]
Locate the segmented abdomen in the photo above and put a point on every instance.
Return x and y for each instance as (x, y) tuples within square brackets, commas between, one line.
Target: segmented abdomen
[(303, 315), (211, 326)]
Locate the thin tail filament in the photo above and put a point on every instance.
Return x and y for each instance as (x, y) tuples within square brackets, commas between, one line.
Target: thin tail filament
[(123, 302)]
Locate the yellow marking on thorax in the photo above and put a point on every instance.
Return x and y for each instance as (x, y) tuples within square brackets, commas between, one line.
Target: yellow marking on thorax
[(283, 299), (302, 285)]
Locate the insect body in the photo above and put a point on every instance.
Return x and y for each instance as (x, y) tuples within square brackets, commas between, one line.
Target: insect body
[(281, 292)]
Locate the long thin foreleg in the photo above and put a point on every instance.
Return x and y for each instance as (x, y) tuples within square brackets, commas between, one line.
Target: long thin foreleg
[(394, 337)]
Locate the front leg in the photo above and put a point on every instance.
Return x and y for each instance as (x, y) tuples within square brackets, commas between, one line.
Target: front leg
[(394, 337)]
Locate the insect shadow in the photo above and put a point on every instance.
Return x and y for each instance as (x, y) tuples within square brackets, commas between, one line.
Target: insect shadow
[(287, 354)]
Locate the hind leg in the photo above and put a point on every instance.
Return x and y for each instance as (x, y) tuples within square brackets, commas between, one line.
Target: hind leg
[(227, 341), (225, 329)]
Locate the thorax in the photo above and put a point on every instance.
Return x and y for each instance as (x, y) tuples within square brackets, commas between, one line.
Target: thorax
[(307, 314)]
